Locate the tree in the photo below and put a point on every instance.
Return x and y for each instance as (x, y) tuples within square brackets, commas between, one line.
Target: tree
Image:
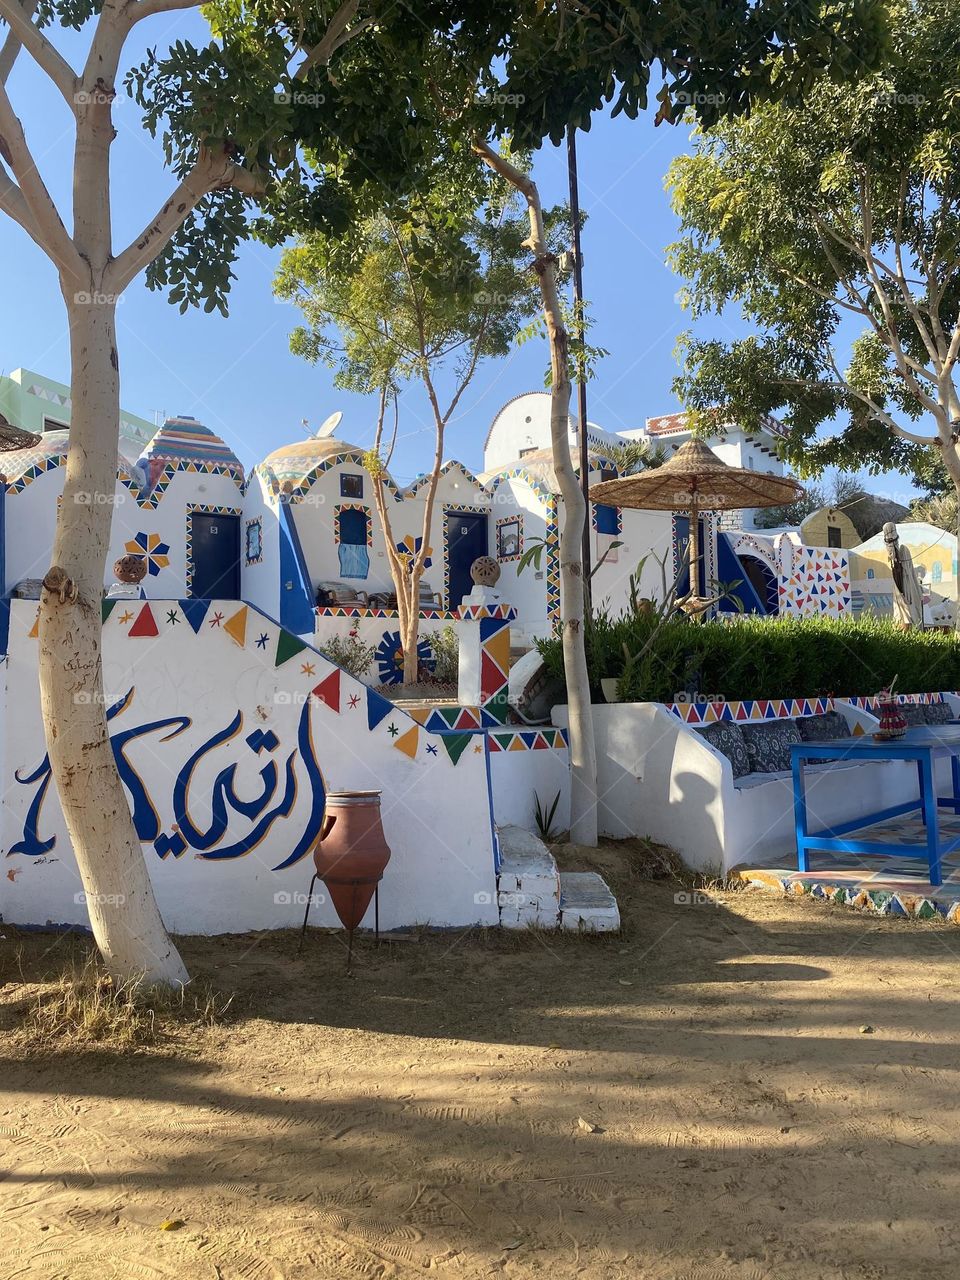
[(634, 456), (360, 87), (792, 513), (829, 224), (421, 292)]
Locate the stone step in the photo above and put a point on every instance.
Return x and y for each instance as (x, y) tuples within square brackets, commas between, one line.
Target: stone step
[(528, 886), (586, 903)]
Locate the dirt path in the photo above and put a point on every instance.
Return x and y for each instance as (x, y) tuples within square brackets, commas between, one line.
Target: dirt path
[(424, 1114)]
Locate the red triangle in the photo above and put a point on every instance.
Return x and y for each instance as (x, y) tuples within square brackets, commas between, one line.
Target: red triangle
[(328, 690), (491, 677), (146, 624)]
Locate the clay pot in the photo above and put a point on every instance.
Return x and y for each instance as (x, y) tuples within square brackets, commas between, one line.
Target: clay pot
[(351, 852)]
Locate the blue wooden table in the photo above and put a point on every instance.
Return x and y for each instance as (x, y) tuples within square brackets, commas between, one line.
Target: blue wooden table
[(924, 745)]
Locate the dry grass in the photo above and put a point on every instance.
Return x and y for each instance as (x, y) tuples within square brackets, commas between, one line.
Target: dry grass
[(84, 1005)]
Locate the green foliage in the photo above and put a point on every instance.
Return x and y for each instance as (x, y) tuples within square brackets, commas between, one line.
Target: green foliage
[(750, 657), (545, 816), (408, 88), (445, 646), (634, 456), (350, 653), (812, 219), (939, 510), (792, 513)]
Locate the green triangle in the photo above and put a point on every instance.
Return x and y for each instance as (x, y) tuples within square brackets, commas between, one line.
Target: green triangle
[(106, 608), (456, 744), (449, 714), (287, 646)]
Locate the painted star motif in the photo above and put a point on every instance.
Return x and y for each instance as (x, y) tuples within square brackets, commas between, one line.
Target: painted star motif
[(216, 620), (392, 730), (308, 669), (477, 749), (353, 700), (431, 750), (173, 617), (126, 617), (262, 642)]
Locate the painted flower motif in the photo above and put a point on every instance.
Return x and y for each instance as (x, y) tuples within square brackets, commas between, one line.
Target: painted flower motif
[(407, 549), (153, 551), (390, 658)]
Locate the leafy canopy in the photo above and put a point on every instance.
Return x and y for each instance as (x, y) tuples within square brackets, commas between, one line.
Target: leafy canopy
[(834, 227)]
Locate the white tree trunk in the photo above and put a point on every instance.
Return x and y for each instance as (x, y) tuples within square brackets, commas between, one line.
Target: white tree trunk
[(123, 912), (583, 747)]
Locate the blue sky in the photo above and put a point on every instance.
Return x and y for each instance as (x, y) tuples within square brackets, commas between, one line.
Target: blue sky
[(237, 374)]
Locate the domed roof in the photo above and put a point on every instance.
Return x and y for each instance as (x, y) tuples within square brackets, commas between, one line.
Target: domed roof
[(295, 461), (185, 440), (19, 464)]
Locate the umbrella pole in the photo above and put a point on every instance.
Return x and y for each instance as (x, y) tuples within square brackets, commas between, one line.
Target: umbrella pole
[(694, 548)]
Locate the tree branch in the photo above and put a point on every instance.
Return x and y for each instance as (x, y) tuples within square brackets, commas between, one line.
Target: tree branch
[(210, 173), (46, 228), (12, 45), (44, 54), (335, 37)]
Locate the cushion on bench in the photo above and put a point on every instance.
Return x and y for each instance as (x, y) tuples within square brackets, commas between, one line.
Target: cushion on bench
[(727, 738), (913, 713), (822, 728), (768, 744), (938, 713)]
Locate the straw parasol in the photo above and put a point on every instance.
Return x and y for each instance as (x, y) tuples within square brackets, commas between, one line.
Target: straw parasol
[(12, 437), (696, 480)]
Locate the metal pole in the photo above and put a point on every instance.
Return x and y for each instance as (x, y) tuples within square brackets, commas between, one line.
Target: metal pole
[(581, 379)]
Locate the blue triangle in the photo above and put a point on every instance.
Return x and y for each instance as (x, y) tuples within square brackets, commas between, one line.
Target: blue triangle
[(378, 708), (528, 738), (195, 611)]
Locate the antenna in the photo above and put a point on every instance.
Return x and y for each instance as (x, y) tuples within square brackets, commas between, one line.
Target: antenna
[(328, 426)]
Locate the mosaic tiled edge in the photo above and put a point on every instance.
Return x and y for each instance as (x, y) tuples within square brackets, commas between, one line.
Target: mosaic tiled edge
[(778, 708), (880, 902)]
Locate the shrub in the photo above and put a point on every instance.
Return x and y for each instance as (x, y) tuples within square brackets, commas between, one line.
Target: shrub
[(752, 657), (446, 654), (349, 652)]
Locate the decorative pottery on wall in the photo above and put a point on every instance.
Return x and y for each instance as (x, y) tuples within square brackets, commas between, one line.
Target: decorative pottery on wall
[(351, 852)]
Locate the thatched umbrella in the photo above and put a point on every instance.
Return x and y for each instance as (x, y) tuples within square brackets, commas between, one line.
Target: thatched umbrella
[(696, 480), (12, 437)]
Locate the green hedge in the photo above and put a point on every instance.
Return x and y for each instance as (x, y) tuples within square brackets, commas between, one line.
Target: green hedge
[(750, 657)]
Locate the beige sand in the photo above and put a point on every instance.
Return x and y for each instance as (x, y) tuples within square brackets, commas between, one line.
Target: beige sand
[(692, 1100)]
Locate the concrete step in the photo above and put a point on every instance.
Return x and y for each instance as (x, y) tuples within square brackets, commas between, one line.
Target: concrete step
[(530, 889), (528, 886), (587, 904)]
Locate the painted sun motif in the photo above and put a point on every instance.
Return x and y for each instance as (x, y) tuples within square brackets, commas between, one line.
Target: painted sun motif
[(407, 549), (151, 549), (389, 657)]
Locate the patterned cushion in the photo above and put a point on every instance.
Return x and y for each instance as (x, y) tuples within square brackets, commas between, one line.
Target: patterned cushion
[(821, 728), (727, 738), (768, 744), (913, 713), (938, 713)]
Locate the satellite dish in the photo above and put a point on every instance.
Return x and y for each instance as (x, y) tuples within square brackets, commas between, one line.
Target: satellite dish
[(328, 426)]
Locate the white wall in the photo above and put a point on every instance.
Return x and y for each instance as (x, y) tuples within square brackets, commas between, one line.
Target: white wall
[(191, 687)]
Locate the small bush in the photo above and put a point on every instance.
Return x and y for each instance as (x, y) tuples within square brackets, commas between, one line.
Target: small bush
[(445, 646), (349, 652), (752, 657)]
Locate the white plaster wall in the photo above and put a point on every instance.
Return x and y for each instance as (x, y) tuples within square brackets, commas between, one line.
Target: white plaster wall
[(260, 583), (436, 815), (518, 777)]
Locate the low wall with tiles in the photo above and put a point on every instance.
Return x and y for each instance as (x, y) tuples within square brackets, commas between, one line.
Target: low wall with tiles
[(229, 731), (381, 629)]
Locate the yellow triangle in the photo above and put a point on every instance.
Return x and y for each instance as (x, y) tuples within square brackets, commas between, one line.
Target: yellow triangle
[(236, 627), (498, 648), (34, 630), (408, 742), (420, 714), (517, 744)]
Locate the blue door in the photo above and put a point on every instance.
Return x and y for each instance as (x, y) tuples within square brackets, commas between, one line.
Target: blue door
[(215, 553), (465, 533)]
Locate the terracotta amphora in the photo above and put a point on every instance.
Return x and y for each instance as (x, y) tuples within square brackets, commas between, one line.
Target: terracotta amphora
[(351, 852)]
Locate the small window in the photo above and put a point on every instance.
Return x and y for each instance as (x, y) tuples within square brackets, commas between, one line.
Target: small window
[(834, 537), (936, 574), (525, 453), (351, 486), (51, 424), (254, 540), (871, 573)]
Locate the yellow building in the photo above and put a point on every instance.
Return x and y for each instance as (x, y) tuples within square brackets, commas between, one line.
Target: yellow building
[(934, 553), (829, 527)]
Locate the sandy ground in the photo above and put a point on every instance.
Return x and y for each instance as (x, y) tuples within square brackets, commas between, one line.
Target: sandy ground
[(692, 1100)]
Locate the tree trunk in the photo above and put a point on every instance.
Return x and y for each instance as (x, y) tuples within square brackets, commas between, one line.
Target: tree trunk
[(123, 912), (410, 630), (583, 748)]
